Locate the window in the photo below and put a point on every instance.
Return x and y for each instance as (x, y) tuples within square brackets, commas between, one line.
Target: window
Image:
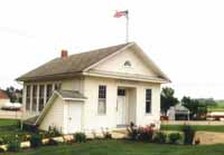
[(57, 86), (34, 97), (121, 92), (102, 99), (148, 100), (127, 63), (49, 91), (41, 97), (28, 97)]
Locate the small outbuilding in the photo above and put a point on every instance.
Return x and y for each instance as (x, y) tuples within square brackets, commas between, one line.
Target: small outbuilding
[(178, 112)]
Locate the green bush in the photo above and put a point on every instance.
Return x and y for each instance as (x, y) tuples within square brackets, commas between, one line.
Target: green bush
[(53, 132), (189, 134), (160, 138), (80, 137), (174, 138), (14, 146), (36, 140)]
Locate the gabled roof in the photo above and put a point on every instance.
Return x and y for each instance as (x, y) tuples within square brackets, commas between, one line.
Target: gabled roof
[(79, 64), (3, 95), (74, 64)]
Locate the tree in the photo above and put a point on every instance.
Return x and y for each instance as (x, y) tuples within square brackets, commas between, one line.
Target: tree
[(14, 94), (197, 107), (167, 99)]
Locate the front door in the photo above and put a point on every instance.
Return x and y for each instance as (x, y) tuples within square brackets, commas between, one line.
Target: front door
[(121, 107), (74, 117)]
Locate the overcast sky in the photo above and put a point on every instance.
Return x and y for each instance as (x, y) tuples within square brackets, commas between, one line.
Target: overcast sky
[(184, 37)]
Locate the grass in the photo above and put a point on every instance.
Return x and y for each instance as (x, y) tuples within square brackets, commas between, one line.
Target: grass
[(219, 107), (10, 127), (8, 122), (122, 147), (211, 128)]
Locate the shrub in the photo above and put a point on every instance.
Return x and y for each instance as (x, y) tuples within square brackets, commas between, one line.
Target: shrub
[(30, 128), (52, 132), (80, 137), (36, 140), (52, 142), (107, 135), (189, 134), (14, 146), (25, 137), (141, 133), (174, 138), (145, 134), (160, 138), (133, 131)]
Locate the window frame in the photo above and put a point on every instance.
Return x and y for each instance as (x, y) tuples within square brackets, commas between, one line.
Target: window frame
[(41, 97), (148, 101), (102, 99), (34, 97), (28, 97)]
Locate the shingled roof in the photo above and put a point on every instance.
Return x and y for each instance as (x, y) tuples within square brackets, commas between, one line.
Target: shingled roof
[(71, 65)]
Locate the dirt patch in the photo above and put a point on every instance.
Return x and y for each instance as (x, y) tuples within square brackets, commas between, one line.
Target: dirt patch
[(210, 137)]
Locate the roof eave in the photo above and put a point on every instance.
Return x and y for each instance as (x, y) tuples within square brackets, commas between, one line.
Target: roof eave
[(49, 77)]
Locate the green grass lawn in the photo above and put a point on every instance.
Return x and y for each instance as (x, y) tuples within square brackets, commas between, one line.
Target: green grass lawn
[(122, 147), (111, 147), (8, 122), (10, 127), (211, 128)]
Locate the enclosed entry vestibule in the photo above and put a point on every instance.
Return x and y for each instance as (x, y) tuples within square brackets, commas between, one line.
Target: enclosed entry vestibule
[(126, 106)]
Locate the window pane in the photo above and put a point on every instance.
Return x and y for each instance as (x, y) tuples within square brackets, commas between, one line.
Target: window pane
[(121, 92), (102, 91), (34, 95), (57, 86), (41, 97), (148, 98), (102, 99), (27, 97), (148, 107), (102, 106), (148, 94), (49, 91)]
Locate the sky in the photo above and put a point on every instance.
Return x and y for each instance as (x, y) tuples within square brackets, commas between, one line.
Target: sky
[(185, 38)]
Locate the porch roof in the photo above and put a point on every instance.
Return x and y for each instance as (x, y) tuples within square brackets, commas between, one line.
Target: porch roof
[(70, 94)]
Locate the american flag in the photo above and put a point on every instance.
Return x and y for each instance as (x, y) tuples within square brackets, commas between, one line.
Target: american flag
[(119, 14)]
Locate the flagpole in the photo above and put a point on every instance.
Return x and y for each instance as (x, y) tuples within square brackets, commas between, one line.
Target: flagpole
[(127, 26)]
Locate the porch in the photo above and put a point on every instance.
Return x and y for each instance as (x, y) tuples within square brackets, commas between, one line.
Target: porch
[(126, 106)]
